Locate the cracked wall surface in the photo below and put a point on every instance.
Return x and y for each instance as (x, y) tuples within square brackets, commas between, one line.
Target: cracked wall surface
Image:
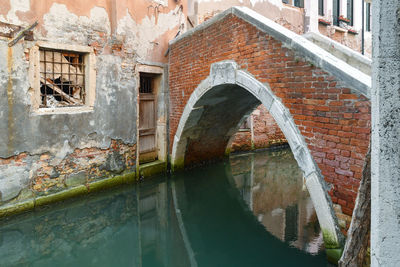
[(289, 16), (51, 151)]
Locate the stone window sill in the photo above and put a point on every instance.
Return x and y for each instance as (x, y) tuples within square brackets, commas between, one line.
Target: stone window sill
[(323, 21), (339, 29), (244, 130), (62, 110)]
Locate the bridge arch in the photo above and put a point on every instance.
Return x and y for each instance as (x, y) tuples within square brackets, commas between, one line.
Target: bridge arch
[(211, 117)]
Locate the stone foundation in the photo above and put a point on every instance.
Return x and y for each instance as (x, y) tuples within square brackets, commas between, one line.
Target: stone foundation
[(33, 176)]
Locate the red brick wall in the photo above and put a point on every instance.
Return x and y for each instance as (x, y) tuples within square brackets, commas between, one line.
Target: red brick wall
[(266, 132), (334, 121), (242, 141)]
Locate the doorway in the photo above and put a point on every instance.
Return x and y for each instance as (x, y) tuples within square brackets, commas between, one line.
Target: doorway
[(147, 118)]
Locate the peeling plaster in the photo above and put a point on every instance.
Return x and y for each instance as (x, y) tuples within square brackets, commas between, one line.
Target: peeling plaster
[(277, 3), (142, 37), (62, 153), (16, 6), (161, 2), (286, 15), (60, 23)]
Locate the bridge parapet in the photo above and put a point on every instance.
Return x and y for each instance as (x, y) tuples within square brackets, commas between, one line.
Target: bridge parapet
[(340, 51)]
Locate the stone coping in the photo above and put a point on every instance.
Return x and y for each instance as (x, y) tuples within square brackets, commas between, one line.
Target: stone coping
[(30, 204), (350, 56)]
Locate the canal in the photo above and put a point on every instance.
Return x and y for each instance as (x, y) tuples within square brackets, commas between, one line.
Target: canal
[(252, 210)]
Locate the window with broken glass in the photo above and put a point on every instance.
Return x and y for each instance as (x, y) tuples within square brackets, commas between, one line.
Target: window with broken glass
[(246, 125), (62, 78)]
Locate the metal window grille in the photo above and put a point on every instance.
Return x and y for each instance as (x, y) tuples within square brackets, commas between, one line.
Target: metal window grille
[(146, 84), (62, 78)]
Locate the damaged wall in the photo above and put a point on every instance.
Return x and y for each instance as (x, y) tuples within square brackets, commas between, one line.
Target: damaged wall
[(289, 16), (49, 151)]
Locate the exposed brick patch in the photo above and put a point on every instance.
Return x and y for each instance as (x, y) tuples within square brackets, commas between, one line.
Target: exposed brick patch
[(47, 174), (94, 163), (242, 141), (334, 121)]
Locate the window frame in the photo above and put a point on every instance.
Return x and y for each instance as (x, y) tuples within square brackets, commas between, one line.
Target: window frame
[(350, 11), (246, 122), (335, 17), (294, 3), (34, 77), (321, 8), (368, 17), (299, 4)]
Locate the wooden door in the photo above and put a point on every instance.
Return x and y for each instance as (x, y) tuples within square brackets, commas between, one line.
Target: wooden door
[(147, 120)]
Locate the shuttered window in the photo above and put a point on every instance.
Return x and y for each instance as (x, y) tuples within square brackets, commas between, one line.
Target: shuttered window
[(298, 3), (321, 7), (335, 12), (368, 18), (350, 11)]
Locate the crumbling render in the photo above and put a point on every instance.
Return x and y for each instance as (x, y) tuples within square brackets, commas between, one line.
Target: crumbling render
[(62, 78)]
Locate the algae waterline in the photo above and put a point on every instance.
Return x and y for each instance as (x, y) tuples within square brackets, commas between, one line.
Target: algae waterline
[(250, 211), (144, 170)]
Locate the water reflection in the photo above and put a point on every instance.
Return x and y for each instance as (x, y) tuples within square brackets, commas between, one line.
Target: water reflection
[(131, 227), (205, 217), (272, 186)]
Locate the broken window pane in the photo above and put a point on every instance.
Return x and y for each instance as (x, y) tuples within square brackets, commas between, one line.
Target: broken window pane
[(62, 78)]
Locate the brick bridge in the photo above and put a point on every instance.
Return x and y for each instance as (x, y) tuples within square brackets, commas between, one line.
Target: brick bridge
[(223, 69)]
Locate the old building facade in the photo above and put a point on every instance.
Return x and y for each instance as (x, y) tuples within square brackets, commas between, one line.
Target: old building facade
[(73, 84)]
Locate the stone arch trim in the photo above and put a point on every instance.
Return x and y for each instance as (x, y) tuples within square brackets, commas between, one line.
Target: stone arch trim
[(227, 72)]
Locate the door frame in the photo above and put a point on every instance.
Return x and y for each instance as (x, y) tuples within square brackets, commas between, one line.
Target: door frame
[(158, 72)]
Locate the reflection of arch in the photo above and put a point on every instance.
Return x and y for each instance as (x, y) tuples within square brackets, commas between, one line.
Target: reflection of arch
[(182, 228), (201, 107)]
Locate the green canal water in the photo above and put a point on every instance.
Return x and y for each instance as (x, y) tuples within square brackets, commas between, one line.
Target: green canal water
[(252, 210)]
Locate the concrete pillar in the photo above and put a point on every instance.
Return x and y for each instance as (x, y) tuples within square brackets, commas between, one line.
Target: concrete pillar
[(311, 16), (385, 169)]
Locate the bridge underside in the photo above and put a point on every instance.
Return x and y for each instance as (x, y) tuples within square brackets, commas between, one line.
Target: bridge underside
[(215, 118)]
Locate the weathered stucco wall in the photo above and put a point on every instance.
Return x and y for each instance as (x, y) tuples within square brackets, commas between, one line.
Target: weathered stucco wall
[(348, 39), (289, 16), (44, 153)]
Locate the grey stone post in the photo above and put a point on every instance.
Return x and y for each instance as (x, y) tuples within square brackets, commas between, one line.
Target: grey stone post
[(385, 179)]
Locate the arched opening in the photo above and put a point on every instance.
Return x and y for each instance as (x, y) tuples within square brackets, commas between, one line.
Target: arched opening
[(213, 114)]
